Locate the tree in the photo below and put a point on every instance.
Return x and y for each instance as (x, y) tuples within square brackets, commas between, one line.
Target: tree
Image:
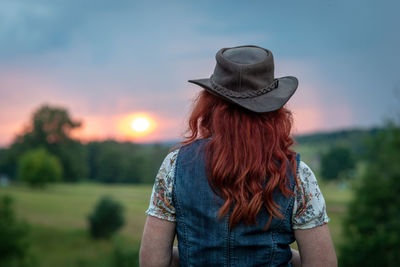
[(38, 167), (336, 161), (106, 219), (50, 127), (14, 245), (372, 225), (73, 158), (114, 162), (110, 164)]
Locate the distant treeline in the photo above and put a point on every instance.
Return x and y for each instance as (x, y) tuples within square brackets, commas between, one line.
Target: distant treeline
[(106, 161), (124, 162), (346, 136), (354, 139), (114, 162)]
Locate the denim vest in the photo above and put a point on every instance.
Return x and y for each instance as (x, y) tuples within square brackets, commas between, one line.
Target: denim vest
[(205, 240)]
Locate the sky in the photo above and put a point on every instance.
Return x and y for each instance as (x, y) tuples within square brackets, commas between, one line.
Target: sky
[(105, 60)]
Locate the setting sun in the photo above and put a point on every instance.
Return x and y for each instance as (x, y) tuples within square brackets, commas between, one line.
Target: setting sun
[(137, 125), (140, 124)]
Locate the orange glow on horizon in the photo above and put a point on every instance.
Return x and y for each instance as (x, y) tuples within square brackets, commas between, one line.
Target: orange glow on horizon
[(136, 125)]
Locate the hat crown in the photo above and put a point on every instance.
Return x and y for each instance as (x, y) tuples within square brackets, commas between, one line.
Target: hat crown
[(244, 68), (245, 55)]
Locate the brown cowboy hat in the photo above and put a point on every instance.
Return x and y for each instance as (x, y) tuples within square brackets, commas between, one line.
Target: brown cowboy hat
[(244, 75)]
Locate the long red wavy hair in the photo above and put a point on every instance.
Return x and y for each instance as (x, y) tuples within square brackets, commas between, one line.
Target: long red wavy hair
[(246, 150)]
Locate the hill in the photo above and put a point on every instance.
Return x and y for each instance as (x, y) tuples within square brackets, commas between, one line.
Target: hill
[(312, 146)]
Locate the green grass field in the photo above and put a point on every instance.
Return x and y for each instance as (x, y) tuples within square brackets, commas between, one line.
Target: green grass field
[(59, 226)]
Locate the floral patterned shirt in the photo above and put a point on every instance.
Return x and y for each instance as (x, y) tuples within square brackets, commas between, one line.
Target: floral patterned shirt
[(309, 208)]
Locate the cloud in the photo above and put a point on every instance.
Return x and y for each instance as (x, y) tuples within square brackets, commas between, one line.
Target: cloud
[(39, 27), (101, 58)]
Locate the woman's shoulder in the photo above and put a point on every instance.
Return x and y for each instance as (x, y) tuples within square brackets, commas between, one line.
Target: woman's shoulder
[(310, 208), (171, 157), (306, 181), (305, 173), (167, 165), (161, 197)]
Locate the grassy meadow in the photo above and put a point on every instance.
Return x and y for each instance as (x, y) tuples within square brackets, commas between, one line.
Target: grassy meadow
[(58, 215)]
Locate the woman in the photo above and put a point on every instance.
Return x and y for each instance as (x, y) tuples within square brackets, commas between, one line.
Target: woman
[(235, 193)]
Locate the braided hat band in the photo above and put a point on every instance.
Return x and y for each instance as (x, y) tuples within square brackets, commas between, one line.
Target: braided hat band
[(246, 94)]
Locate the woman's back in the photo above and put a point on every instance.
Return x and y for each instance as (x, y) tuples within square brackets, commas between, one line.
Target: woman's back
[(206, 240)]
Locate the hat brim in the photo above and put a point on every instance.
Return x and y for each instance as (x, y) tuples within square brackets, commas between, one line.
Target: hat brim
[(269, 101)]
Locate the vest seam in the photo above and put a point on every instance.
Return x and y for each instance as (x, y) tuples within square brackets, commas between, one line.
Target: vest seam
[(273, 248), (290, 200), (293, 186), (289, 211), (231, 261), (186, 242), (228, 244)]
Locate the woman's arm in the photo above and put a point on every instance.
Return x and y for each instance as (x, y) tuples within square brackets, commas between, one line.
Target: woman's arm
[(295, 261), (156, 249), (316, 247), (175, 257)]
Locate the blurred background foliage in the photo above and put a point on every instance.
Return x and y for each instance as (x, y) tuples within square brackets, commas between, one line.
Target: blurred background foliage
[(37, 167), (106, 219), (358, 171), (15, 243), (372, 224), (106, 161)]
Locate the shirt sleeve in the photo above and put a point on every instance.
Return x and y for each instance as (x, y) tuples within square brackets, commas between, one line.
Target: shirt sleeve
[(161, 196), (309, 207)]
